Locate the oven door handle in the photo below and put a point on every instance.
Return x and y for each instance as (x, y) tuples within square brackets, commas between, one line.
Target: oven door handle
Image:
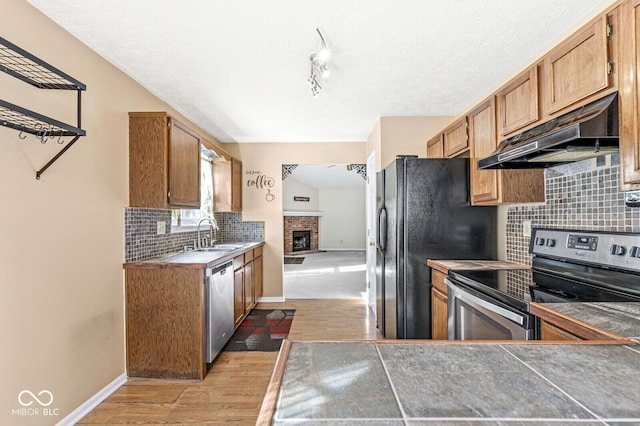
[(473, 300)]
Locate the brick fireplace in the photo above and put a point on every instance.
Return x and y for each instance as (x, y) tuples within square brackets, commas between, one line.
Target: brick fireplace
[(300, 223)]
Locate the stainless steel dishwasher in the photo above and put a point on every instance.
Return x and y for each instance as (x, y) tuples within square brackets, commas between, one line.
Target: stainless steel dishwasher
[(219, 290)]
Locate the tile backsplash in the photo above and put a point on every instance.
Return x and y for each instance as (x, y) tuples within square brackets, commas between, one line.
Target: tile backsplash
[(584, 195), (142, 241)]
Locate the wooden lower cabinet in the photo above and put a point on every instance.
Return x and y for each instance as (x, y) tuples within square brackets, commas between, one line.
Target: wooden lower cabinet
[(551, 332), (257, 273), (238, 296), (438, 306), (249, 288), (165, 317), (247, 283)]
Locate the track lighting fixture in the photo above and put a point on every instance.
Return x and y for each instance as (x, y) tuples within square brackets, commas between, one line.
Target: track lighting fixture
[(319, 69)]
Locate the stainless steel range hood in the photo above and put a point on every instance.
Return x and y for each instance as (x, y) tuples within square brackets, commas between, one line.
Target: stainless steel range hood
[(587, 132)]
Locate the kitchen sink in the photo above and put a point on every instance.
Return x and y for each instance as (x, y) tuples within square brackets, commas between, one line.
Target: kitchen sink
[(223, 247)]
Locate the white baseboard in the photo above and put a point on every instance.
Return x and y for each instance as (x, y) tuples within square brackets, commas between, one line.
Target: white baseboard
[(271, 299), (76, 415)]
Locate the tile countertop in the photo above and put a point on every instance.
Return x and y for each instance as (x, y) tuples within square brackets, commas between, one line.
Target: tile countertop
[(622, 318), (444, 265), (400, 383), (194, 258), (455, 383)]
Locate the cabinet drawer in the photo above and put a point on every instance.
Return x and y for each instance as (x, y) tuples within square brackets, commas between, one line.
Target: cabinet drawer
[(248, 256), (238, 261), (437, 280), (257, 252)]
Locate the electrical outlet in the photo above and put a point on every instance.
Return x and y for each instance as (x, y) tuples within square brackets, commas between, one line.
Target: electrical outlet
[(526, 228), (161, 227)]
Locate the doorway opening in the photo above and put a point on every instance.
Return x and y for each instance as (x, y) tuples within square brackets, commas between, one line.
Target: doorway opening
[(324, 209)]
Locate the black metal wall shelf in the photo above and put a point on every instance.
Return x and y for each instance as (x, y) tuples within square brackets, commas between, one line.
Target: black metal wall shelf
[(34, 71)]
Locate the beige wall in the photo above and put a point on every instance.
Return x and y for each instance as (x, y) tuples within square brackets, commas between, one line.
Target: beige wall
[(394, 136), (267, 159), (61, 249)]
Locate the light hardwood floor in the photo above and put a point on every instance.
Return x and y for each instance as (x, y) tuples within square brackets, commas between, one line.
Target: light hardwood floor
[(233, 390)]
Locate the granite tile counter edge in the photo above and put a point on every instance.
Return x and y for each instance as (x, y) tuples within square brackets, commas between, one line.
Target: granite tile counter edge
[(214, 258)]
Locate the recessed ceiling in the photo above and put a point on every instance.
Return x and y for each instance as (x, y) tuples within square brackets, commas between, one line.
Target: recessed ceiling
[(239, 69)]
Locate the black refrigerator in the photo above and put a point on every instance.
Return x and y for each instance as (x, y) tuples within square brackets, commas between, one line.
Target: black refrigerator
[(424, 212)]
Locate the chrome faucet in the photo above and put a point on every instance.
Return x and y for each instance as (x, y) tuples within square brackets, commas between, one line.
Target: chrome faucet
[(213, 227)]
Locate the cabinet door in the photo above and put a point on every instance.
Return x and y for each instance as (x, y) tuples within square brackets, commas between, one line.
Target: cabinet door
[(249, 290), (257, 277), (518, 102), (438, 306), (238, 296), (438, 315), (577, 68), (435, 147), (148, 159), (227, 185), (629, 93), (184, 166), (236, 185), (455, 138), (483, 141)]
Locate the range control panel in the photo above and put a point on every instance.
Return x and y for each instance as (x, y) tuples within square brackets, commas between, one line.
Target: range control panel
[(609, 249)]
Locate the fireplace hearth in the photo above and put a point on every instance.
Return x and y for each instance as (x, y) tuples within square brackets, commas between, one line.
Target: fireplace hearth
[(301, 240)]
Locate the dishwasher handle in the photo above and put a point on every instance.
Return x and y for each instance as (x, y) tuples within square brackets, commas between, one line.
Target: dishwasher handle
[(221, 269)]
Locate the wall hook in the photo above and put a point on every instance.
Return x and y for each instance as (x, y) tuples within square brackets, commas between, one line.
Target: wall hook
[(21, 136)]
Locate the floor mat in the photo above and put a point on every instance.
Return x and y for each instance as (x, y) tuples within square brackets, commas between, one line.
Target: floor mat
[(262, 331), (289, 260)]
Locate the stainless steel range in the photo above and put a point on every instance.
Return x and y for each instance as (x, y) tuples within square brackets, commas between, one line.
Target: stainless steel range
[(567, 266)]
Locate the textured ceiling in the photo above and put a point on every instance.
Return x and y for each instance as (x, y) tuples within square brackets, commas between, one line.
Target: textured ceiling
[(239, 69)]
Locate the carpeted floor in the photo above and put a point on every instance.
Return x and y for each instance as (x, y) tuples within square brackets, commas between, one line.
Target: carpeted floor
[(262, 331), (328, 275)]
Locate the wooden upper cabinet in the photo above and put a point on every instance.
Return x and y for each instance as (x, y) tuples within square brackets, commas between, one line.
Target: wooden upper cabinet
[(577, 68), (435, 147), (455, 138), (184, 166), (164, 162), (491, 187), (629, 93), (227, 185), (483, 141), (518, 102)]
